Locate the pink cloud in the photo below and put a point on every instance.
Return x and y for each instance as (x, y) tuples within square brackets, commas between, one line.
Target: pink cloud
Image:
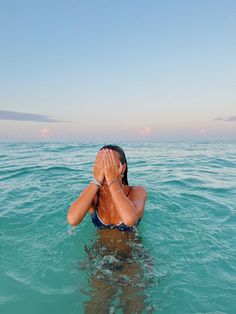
[(45, 132), (145, 131), (202, 131)]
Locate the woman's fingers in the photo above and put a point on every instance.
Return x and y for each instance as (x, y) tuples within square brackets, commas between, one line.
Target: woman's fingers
[(105, 159), (110, 159), (100, 157), (113, 157), (98, 169)]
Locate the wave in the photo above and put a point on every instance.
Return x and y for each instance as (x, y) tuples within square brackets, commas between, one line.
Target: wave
[(16, 173), (60, 168), (20, 172)]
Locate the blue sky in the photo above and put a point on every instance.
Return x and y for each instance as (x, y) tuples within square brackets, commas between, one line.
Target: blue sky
[(117, 70)]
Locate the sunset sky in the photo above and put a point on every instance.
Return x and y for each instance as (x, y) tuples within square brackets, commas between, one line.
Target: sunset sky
[(117, 70)]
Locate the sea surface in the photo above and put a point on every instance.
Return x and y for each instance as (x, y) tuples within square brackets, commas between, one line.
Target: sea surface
[(181, 258)]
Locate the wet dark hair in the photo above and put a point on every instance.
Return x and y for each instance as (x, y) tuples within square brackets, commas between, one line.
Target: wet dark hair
[(123, 160)]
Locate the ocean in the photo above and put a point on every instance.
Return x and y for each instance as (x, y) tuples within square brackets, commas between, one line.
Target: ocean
[(180, 259)]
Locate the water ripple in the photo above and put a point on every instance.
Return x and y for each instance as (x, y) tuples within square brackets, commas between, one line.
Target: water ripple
[(184, 248)]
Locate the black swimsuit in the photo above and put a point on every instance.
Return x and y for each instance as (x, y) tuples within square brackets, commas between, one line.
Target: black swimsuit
[(101, 225)]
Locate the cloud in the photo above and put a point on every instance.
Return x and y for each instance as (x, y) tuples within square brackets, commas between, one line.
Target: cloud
[(145, 131), (202, 131), (23, 116), (229, 119), (45, 132), (232, 118)]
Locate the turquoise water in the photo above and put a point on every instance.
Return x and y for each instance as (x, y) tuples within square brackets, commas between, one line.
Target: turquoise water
[(181, 259)]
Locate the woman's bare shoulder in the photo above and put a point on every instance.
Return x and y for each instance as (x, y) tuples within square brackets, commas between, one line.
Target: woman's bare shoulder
[(138, 193), (138, 189)]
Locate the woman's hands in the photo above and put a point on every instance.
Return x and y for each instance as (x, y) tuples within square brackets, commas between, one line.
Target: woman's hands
[(98, 169), (112, 166), (107, 165)]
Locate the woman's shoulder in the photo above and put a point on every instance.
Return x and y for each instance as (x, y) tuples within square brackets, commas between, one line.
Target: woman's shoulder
[(138, 189), (139, 196), (137, 192)]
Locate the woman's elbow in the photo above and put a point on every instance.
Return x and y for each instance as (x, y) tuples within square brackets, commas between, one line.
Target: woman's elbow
[(72, 221), (130, 221)]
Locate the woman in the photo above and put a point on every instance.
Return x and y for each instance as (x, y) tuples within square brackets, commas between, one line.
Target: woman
[(111, 201)]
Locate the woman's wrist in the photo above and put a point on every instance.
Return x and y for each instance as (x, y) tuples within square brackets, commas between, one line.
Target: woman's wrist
[(109, 183), (96, 182), (115, 187)]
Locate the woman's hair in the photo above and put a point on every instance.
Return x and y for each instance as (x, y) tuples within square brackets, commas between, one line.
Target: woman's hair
[(123, 160)]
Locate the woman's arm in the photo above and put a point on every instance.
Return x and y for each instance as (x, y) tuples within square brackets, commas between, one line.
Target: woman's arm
[(130, 210), (79, 208)]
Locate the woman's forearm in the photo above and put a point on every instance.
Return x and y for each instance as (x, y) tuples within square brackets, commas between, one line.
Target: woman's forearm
[(124, 206), (81, 205)]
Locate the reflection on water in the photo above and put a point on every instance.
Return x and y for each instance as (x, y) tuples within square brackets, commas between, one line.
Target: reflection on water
[(119, 270)]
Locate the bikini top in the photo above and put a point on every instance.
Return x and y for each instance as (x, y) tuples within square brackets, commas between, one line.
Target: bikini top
[(97, 221)]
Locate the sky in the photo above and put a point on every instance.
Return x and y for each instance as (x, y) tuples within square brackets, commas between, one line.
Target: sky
[(117, 70)]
